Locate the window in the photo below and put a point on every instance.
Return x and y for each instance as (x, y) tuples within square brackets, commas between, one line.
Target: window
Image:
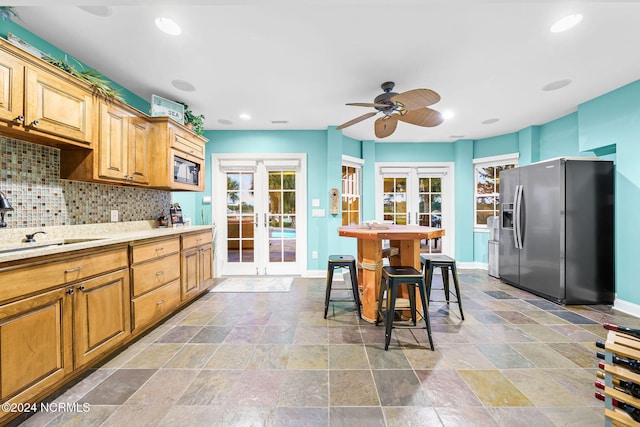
[(351, 190), (487, 186)]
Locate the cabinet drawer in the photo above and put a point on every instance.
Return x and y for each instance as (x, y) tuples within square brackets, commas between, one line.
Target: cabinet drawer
[(155, 304), (20, 282), (155, 249), (196, 239), (184, 143), (153, 274)]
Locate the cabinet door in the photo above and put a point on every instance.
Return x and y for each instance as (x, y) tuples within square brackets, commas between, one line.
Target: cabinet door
[(113, 144), (102, 315), (35, 344), (56, 106), (205, 267), (189, 273), (137, 165), (11, 88)]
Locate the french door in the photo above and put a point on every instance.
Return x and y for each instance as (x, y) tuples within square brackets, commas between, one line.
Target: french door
[(260, 215), (417, 195)]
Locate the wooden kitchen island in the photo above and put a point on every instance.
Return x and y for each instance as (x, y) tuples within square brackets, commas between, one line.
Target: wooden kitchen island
[(404, 237)]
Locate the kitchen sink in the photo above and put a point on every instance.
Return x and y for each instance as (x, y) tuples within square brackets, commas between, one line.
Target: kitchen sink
[(44, 244)]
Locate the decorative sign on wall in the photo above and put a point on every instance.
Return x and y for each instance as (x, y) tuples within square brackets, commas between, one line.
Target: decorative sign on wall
[(334, 201), (164, 107)]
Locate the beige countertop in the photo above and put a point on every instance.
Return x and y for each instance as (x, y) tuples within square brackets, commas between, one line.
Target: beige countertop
[(68, 238)]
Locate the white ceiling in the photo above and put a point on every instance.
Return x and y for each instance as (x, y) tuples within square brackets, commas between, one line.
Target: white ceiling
[(302, 60)]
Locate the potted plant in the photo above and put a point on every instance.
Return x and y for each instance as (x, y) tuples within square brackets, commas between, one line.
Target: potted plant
[(8, 13), (196, 122)]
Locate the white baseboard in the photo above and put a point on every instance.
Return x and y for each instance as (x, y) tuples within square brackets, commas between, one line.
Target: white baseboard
[(314, 273), (627, 307), (472, 265)]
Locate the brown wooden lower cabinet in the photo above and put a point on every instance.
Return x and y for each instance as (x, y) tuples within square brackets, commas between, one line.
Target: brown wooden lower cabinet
[(102, 318), (197, 263), (154, 305), (35, 345)]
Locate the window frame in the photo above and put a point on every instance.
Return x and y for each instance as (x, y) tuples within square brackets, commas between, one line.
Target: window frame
[(355, 163), (484, 162)]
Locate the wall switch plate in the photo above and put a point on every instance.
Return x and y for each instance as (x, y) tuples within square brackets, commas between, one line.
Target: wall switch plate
[(114, 215), (315, 203), (314, 254), (317, 213)]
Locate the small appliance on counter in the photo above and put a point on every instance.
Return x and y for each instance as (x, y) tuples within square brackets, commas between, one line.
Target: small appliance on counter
[(175, 212), (163, 220)]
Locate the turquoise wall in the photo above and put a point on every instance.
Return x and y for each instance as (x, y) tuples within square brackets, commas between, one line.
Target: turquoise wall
[(613, 120)]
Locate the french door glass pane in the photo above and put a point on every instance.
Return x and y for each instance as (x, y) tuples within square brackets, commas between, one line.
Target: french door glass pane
[(240, 219), (282, 216)]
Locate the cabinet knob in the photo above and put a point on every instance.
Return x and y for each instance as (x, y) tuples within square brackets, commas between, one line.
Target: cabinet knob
[(159, 273), (126, 177), (35, 123), (69, 291), (81, 288), (19, 119)]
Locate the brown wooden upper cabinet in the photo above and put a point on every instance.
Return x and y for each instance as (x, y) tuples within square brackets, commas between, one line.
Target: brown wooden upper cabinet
[(121, 154), (40, 103)]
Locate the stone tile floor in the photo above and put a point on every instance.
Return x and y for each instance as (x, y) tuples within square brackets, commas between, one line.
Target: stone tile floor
[(271, 359)]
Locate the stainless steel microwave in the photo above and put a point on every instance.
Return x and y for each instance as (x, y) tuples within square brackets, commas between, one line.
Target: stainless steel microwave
[(185, 171)]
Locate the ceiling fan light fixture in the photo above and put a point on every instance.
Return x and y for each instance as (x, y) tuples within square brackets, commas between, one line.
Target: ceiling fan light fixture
[(168, 26), (566, 23), (448, 114)]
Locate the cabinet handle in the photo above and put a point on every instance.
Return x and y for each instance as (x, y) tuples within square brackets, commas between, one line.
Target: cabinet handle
[(19, 119), (35, 123), (159, 273), (159, 249), (160, 302), (73, 270), (69, 291)]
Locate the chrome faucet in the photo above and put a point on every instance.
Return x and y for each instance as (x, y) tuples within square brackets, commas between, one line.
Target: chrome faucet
[(30, 237)]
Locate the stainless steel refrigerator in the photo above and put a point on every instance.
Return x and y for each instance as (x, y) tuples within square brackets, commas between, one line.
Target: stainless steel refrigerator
[(556, 230)]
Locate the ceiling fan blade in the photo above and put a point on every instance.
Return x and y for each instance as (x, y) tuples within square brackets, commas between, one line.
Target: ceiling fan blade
[(422, 117), (386, 125), (365, 104), (357, 120), (416, 98)]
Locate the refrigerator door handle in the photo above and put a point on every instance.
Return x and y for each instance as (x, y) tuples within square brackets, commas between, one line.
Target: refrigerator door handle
[(517, 232)]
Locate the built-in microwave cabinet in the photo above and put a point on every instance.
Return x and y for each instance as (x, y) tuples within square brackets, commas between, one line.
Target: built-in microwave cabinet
[(173, 144), (42, 104)]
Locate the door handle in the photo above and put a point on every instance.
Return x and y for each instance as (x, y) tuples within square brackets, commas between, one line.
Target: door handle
[(256, 222), (517, 214), (265, 220)]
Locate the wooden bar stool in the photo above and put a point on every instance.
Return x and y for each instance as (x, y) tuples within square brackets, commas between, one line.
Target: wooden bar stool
[(392, 278), (432, 261), (342, 261)]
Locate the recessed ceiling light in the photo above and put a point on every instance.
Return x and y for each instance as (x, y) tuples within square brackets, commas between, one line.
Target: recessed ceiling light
[(183, 85), (168, 26), (566, 23), (556, 85), (102, 11), (245, 116), (225, 122), (490, 121), (447, 114)]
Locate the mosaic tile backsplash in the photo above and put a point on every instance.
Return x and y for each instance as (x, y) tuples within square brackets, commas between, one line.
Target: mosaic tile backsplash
[(30, 178)]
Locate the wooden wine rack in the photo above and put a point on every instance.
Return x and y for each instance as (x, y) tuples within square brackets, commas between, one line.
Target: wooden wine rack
[(625, 346)]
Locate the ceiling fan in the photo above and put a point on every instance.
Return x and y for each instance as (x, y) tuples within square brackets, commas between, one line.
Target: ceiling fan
[(409, 107)]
